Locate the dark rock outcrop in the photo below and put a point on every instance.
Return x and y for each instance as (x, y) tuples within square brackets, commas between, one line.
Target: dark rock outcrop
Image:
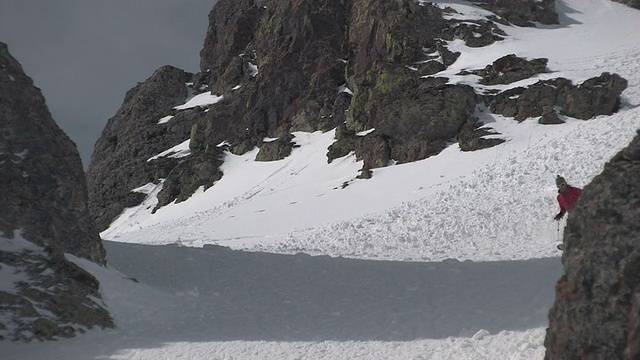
[(133, 136), (277, 149), (472, 136), (596, 314), (509, 69), (595, 96), (44, 188), (43, 204), (631, 3), (415, 116), (523, 13)]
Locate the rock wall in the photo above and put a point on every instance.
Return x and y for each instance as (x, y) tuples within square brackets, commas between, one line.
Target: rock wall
[(596, 314), (43, 214)]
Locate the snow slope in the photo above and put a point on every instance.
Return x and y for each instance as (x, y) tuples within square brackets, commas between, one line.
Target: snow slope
[(463, 243)]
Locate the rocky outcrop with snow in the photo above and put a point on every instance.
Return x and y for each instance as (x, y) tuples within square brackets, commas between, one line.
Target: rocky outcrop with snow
[(597, 309), (43, 214), (631, 3), (133, 136), (368, 68)]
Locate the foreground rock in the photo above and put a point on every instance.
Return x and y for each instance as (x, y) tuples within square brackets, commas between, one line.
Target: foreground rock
[(596, 314), (43, 201)]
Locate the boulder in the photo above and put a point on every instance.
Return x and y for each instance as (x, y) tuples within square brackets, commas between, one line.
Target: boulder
[(596, 96), (133, 136), (472, 136), (277, 149), (509, 69), (478, 33)]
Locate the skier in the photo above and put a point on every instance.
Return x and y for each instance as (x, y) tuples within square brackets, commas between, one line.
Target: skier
[(567, 196)]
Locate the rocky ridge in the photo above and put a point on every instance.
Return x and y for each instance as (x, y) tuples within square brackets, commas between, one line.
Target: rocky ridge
[(369, 69), (43, 207)]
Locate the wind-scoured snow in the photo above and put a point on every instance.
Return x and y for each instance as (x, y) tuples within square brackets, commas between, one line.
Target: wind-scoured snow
[(451, 257)]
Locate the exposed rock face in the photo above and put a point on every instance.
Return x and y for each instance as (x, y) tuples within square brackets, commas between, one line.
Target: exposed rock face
[(119, 162), (366, 68), (596, 314), (509, 69), (44, 201), (414, 116)]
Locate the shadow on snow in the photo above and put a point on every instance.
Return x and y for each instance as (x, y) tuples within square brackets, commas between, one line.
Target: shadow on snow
[(218, 294)]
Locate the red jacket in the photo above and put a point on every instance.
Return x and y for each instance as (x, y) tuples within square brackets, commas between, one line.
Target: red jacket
[(568, 198)]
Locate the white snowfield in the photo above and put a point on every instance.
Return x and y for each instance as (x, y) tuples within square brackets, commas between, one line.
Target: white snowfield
[(452, 257)]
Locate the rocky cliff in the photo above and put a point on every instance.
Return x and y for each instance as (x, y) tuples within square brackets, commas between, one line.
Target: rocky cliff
[(596, 314), (43, 214), (368, 69)]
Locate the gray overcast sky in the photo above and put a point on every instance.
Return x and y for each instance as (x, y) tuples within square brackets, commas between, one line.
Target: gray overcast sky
[(85, 54)]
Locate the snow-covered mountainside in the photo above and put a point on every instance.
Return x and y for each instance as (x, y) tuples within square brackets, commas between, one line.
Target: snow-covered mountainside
[(463, 242), (492, 204)]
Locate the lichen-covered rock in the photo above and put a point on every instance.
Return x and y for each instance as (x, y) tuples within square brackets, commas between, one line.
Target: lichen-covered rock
[(596, 314)]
